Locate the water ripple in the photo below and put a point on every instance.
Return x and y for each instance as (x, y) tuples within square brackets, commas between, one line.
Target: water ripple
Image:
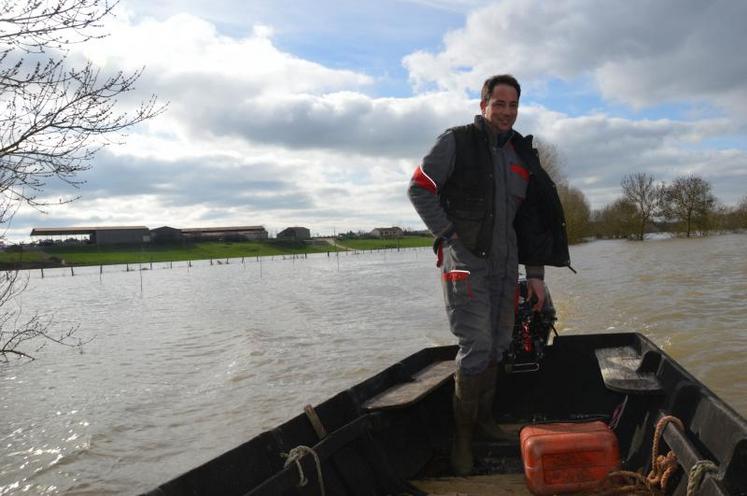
[(206, 357)]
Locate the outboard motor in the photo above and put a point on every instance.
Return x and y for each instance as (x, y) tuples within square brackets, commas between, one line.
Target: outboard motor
[(531, 333)]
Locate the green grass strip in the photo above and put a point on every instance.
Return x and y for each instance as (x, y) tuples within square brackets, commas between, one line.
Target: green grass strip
[(384, 244), (78, 255)]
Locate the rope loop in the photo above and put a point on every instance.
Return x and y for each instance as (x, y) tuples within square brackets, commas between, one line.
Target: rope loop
[(295, 455), (626, 483), (629, 483), (697, 472), (662, 466)]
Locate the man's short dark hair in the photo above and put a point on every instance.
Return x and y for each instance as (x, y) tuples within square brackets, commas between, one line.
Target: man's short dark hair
[(492, 82)]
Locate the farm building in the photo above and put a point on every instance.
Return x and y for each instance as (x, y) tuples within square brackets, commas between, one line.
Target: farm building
[(387, 232), (225, 233), (103, 235), (296, 233), (166, 234)]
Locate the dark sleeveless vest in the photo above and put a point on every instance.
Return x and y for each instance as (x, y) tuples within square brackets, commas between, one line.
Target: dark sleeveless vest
[(468, 197)]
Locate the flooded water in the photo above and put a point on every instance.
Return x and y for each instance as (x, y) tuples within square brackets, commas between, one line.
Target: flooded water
[(187, 363)]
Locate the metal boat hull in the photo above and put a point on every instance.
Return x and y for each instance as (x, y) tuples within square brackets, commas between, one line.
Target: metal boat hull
[(370, 447)]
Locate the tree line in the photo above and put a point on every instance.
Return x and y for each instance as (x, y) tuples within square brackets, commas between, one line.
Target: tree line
[(685, 207)]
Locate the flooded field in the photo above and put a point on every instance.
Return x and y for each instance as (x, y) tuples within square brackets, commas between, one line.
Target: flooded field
[(186, 362)]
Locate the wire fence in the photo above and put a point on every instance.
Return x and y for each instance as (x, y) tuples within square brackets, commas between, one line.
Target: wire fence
[(102, 269)]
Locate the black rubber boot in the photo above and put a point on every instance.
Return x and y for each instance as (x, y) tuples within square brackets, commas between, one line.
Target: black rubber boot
[(466, 403), (486, 425)]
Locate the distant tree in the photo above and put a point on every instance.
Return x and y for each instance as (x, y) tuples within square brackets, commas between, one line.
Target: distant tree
[(54, 115), (575, 205), (740, 215), (550, 159), (689, 202), (734, 218), (616, 220), (639, 190), (577, 212), (723, 218)]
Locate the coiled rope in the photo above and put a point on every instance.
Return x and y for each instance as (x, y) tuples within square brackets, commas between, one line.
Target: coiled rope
[(624, 482), (295, 455), (662, 468), (697, 472)]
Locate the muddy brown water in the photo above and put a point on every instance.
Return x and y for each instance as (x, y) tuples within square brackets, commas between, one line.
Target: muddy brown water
[(203, 358)]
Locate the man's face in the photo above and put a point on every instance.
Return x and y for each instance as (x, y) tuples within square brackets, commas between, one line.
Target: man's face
[(502, 108)]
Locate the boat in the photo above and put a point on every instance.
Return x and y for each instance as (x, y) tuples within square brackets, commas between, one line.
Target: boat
[(391, 434)]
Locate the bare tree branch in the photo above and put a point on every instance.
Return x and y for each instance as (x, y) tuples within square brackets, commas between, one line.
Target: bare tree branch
[(689, 202), (54, 118), (551, 160), (639, 190), (37, 25), (35, 329)]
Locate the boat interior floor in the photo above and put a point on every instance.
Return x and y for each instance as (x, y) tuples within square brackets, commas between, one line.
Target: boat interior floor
[(498, 470), (475, 485)]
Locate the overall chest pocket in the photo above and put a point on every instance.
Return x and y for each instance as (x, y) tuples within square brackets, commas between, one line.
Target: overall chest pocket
[(468, 215)]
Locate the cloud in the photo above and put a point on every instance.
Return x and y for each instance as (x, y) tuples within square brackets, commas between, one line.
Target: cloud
[(598, 151), (640, 53), (183, 47), (451, 5), (342, 121), (215, 180), (285, 187), (219, 86), (255, 134)]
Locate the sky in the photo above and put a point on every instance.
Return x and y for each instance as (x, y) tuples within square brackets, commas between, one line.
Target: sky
[(316, 113)]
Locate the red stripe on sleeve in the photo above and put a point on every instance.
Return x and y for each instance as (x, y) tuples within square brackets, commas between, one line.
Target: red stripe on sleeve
[(421, 179)]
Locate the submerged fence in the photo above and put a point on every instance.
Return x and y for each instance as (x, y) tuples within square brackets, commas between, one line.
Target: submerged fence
[(100, 270)]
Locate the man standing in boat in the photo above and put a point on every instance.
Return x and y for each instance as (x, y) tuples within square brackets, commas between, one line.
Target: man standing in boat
[(483, 194)]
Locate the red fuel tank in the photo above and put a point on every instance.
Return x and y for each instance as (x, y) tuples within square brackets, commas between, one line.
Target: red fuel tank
[(567, 457)]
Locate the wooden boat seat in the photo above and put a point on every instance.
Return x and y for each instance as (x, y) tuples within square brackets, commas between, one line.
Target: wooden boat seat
[(624, 370), (475, 485), (407, 393)]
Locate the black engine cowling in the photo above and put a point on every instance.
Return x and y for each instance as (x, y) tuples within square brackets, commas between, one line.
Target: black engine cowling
[(530, 334)]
